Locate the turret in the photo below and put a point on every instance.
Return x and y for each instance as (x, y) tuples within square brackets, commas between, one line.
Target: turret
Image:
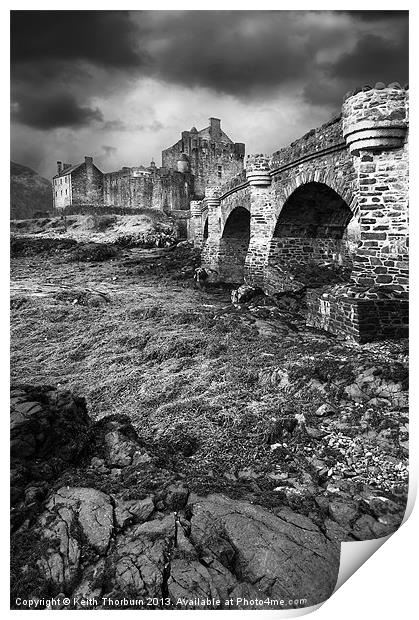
[(375, 118), (258, 170)]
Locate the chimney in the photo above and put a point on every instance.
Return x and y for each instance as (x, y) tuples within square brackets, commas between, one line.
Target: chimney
[(59, 167), (66, 166), (215, 126), (88, 161)]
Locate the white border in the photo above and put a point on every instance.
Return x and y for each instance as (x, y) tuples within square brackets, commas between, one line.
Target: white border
[(385, 587)]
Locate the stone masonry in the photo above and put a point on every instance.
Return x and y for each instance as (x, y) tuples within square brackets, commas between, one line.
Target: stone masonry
[(212, 156), (327, 214), (197, 160)]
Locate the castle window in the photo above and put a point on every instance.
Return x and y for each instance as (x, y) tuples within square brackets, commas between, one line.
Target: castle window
[(220, 171)]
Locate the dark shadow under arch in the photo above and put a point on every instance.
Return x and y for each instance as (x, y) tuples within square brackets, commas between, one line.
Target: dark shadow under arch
[(310, 245), (234, 244)]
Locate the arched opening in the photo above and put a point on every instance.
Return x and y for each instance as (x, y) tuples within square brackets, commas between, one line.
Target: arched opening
[(312, 244), (233, 246)]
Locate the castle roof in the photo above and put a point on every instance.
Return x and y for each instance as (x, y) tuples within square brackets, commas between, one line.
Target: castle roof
[(206, 134), (68, 170)]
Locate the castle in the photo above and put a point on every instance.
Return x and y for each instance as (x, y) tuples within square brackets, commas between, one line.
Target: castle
[(197, 160)]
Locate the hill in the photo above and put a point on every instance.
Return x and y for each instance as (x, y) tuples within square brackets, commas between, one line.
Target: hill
[(29, 192)]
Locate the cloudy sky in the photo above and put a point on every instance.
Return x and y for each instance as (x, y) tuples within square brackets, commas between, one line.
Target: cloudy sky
[(121, 86)]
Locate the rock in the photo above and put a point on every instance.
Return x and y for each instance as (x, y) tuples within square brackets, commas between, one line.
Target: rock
[(97, 463), (91, 583), (49, 430), (315, 384), (263, 548), (243, 294), (314, 432), (368, 528), (355, 393), (325, 410), (247, 474), (119, 450), (382, 506), (59, 566), (92, 509), (117, 439), (133, 511), (191, 580), (343, 513), (176, 496), (335, 532), (139, 557)]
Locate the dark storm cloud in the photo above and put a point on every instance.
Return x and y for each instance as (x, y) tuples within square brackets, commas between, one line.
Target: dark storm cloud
[(245, 54), (252, 53), (102, 37), (378, 15), (118, 125), (234, 52), (374, 59), (61, 110)]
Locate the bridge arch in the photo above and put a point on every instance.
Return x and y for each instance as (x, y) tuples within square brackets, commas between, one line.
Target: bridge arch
[(315, 237), (234, 243)]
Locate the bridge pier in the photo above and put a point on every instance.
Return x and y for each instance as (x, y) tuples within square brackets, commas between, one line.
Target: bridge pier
[(262, 220), (198, 224), (211, 248)]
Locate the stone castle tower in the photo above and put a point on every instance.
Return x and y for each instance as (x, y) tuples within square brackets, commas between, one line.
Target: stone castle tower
[(210, 155)]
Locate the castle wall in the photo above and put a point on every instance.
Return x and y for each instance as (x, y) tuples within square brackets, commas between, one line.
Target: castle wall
[(87, 185), (61, 189), (165, 190), (213, 157)]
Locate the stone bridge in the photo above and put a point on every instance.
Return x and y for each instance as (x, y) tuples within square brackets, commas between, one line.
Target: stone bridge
[(326, 215)]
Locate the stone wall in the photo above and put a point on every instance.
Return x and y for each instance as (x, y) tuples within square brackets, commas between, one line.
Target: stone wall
[(345, 311), (87, 184), (213, 157), (61, 189), (375, 122), (158, 188), (312, 143)]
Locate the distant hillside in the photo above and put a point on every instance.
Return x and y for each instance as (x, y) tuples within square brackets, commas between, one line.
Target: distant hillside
[(29, 192)]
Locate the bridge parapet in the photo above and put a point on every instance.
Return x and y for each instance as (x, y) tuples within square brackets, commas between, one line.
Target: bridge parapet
[(258, 170), (236, 182), (212, 195), (314, 142), (197, 207), (375, 118)]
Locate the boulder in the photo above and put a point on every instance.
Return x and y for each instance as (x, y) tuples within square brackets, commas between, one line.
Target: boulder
[(133, 511), (119, 443), (243, 294), (139, 558), (176, 496), (49, 430), (282, 555), (91, 508), (326, 410)]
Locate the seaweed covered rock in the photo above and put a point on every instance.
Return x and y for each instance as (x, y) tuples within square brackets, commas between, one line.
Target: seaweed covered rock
[(49, 431)]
